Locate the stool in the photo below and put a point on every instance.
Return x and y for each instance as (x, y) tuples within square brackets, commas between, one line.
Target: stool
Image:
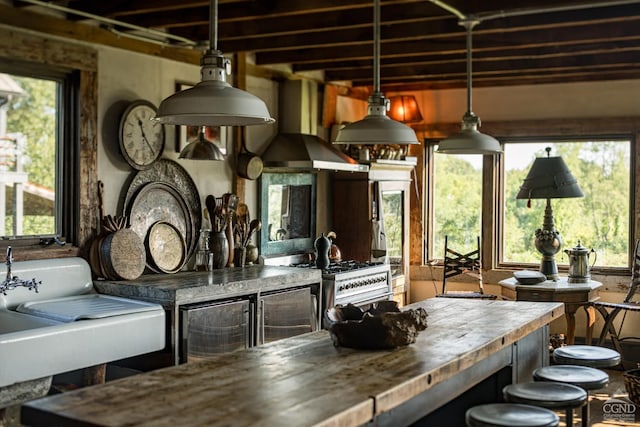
[(586, 355), (550, 395), (510, 415), (582, 376)]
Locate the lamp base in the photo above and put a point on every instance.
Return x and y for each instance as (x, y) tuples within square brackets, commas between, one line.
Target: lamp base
[(549, 268)]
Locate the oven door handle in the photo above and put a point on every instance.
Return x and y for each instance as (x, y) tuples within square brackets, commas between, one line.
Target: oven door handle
[(382, 297)]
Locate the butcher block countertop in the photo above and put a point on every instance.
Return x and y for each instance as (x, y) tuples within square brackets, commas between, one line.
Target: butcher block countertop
[(198, 286), (305, 380)]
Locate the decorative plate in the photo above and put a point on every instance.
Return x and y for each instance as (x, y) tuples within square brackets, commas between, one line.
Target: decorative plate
[(157, 201), (166, 247), (169, 172)]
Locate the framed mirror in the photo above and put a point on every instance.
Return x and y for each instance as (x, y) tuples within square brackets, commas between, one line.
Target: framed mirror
[(287, 212)]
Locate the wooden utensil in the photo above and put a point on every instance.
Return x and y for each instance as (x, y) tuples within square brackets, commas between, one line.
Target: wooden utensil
[(210, 203), (254, 226)]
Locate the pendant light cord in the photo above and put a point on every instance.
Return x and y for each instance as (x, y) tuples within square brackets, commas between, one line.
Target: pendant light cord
[(376, 46), (213, 26), (468, 24)]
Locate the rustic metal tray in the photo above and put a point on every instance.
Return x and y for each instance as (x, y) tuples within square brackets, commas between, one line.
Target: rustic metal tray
[(169, 172), (158, 201)]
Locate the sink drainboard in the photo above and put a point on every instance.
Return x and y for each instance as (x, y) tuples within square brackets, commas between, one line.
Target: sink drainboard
[(91, 306)]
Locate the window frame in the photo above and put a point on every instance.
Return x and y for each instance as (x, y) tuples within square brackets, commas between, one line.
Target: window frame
[(77, 178), (564, 129), (501, 197)]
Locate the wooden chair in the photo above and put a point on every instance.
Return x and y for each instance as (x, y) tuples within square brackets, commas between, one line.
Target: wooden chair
[(470, 264), (611, 310)]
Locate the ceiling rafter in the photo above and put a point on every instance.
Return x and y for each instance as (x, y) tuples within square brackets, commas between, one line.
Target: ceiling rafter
[(421, 44)]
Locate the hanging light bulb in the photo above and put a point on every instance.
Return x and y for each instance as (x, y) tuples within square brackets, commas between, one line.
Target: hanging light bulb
[(376, 127), (469, 140), (213, 101)]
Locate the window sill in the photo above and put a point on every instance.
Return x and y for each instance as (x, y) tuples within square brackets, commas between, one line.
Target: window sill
[(31, 252)]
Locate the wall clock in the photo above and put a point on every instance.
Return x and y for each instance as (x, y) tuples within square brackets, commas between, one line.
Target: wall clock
[(141, 139)]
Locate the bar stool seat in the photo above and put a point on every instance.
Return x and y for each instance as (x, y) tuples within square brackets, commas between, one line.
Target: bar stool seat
[(510, 415), (586, 355), (582, 376), (550, 395)]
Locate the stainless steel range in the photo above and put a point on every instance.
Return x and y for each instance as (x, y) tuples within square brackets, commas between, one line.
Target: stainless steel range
[(344, 282)]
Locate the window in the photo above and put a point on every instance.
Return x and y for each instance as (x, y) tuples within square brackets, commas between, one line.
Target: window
[(74, 69), (458, 188), (599, 220), (36, 150), (457, 201)]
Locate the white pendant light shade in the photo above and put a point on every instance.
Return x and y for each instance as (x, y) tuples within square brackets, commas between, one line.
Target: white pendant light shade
[(469, 140), (213, 101), (376, 128)]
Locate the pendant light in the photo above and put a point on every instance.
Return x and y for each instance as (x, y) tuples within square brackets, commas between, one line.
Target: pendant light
[(200, 148), (213, 101), (376, 127), (469, 140)]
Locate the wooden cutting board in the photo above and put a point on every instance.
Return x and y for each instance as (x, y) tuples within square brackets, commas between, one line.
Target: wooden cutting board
[(123, 254)]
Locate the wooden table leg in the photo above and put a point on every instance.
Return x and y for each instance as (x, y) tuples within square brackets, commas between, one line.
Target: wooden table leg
[(591, 320), (570, 316)]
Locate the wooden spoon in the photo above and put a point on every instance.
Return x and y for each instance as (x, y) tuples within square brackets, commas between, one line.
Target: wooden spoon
[(254, 226)]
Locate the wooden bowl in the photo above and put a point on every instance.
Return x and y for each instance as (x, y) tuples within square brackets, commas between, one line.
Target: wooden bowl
[(382, 326)]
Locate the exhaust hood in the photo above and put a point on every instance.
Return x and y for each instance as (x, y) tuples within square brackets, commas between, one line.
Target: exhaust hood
[(288, 151), (296, 147)]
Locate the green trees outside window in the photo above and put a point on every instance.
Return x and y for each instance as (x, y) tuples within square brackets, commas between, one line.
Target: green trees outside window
[(28, 155), (600, 220)]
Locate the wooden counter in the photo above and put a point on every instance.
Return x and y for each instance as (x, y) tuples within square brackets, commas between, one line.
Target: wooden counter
[(306, 381)]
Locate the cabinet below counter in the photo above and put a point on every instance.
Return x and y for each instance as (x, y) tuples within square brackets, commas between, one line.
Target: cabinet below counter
[(250, 306)]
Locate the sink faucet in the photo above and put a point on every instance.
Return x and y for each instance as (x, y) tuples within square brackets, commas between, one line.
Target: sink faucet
[(12, 282)]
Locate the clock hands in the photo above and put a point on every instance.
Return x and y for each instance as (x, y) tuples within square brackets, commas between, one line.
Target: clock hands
[(144, 137)]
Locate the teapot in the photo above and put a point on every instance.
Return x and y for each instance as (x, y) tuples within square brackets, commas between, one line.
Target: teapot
[(579, 268)]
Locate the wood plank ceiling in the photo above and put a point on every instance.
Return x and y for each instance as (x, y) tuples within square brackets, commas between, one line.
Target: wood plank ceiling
[(422, 45)]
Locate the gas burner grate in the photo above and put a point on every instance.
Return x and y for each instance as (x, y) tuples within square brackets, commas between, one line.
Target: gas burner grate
[(340, 266)]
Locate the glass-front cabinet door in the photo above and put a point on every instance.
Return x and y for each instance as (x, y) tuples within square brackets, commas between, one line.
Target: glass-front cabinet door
[(395, 208)]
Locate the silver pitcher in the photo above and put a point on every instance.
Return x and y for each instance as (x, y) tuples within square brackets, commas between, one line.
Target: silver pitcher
[(579, 268)]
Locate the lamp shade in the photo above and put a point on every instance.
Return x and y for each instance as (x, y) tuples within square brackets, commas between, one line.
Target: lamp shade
[(469, 140), (200, 148), (213, 103), (376, 127), (549, 178), (404, 109)]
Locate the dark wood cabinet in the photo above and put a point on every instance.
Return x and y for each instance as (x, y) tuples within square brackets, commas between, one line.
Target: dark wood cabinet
[(357, 198)]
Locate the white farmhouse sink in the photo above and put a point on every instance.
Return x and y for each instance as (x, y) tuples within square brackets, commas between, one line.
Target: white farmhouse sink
[(67, 326)]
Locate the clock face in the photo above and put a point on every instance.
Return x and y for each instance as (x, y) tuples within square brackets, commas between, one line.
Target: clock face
[(141, 139)]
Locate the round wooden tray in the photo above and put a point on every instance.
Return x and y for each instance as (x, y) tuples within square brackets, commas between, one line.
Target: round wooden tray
[(166, 247)]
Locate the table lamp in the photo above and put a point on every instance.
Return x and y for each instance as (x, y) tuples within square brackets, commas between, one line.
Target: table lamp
[(549, 178)]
